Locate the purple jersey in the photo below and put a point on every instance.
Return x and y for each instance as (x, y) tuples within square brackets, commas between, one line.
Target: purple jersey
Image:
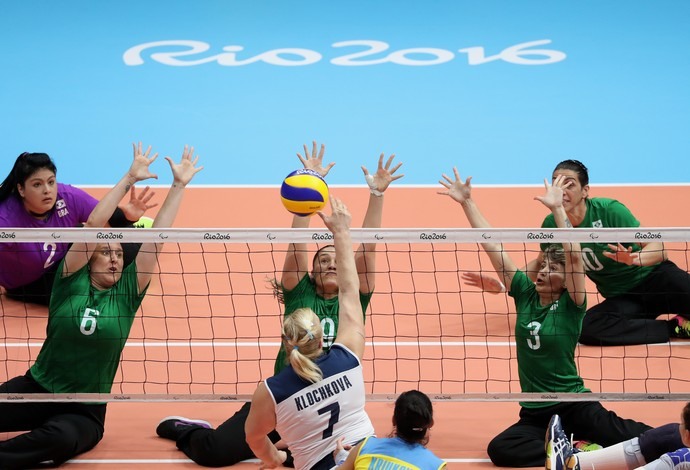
[(22, 263)]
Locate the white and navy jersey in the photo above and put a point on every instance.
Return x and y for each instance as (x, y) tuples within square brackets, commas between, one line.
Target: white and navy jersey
[(311, 417), (676, 460)]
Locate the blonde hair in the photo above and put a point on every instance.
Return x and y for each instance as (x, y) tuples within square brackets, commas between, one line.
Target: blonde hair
[(302, 336)]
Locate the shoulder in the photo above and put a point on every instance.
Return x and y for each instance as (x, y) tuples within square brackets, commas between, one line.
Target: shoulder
[(570, 305), (9, 208), (305, 286), (520, 283), (612, 211), (605, 203), (338, 359), (73, 193), (549, 221)]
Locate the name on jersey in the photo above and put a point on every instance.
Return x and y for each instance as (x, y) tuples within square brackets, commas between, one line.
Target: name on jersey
[(323, 392), (61, 208)]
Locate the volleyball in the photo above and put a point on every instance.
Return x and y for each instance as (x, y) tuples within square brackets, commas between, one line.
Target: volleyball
[(304, 192)]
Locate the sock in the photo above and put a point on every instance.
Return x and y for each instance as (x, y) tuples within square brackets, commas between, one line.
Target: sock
[(613, 458)]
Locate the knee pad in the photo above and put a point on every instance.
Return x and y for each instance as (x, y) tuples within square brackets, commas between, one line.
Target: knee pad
[(633, 455)]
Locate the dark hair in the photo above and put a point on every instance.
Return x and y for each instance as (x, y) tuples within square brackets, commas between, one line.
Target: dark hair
[(318, 252), (555, 253), (26, 165), (413, 416), (686, 416), (578, 167), (277, 287)]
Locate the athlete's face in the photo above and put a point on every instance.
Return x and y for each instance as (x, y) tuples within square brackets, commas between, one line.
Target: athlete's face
[(684, 432), (574, 193), (106, 265), (325, 271), (39, 191), (551, 277)]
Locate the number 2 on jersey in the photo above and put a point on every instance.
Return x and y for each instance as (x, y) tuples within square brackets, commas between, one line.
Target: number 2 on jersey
[(50, 248)]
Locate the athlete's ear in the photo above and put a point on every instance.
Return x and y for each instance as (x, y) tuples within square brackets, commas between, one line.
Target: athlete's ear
[(585, 191)]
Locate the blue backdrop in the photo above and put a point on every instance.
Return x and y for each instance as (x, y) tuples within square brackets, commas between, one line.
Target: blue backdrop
[(502, 88)]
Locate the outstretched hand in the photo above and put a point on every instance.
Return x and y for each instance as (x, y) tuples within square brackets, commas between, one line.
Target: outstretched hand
[(315, 161), (622, 254), (384, 175), (456, 189), (484, 282), (339, 220), (553, 197), (139, 170), (138, 204), (184, 171)]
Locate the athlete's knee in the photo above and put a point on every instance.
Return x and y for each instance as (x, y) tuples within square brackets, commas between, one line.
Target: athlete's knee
[(502, 454), (209, 449), (68, 438), (657, 441)]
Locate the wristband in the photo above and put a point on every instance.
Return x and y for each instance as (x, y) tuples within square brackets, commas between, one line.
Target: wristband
[(503, 287), (372, 186), (341, 457)]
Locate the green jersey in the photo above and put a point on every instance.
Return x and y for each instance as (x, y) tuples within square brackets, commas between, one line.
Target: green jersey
[(611, 277), (87, 330), (304, 296), (546, 337)]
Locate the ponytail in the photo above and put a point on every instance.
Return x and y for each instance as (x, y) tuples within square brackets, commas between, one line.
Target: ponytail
[(303, 340)]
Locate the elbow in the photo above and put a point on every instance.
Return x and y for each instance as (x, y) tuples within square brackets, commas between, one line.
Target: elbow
[(251, 438)]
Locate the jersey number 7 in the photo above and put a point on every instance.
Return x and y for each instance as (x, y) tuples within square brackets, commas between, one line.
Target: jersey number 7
[(334, 409)]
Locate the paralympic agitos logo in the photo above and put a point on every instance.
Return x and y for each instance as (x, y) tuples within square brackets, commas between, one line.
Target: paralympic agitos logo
[(190, 53)]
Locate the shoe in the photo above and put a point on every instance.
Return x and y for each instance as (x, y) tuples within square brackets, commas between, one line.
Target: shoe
[(559, 451), (143, 222), (683, 328), (174, 427), (585, 446)]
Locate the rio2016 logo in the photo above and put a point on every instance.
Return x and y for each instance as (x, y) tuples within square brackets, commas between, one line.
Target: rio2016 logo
[(192, 52)]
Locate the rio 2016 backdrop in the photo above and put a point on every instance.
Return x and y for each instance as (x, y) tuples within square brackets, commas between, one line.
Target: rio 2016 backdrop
[(504, 89)]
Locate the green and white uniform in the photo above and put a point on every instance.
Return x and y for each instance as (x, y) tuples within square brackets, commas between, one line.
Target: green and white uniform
[(611, 277), (304, 296), (87, 330), (546, 337)]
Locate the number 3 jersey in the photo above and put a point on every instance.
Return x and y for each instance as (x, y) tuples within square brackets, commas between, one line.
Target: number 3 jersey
[(87, 329), (311, 417), (545, 338)]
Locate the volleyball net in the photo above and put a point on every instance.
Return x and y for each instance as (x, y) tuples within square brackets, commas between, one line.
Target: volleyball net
[(209, 326)]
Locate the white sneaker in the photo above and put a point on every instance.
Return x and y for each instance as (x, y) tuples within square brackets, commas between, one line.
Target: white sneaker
[(559, 451)]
